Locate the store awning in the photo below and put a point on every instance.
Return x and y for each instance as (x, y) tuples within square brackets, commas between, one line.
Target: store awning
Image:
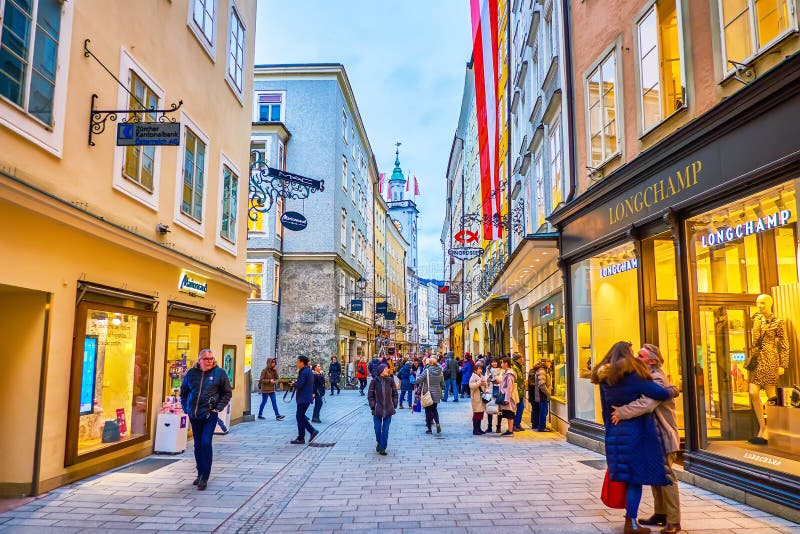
[(493, 303), (520, 274)]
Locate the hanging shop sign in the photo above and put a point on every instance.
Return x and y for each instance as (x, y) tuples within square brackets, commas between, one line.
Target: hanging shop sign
[(391, 316), (548, 309), (436, 322), (621, 267), (438, 330), (292, 220), (466, 253), (149, 133), (381, 307), (467, 236), (443, 290), (356, 305), (731, 233), (453, 298), (193, 285)]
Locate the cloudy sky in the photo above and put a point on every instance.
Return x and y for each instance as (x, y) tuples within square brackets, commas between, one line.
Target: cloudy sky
[(405, 60)]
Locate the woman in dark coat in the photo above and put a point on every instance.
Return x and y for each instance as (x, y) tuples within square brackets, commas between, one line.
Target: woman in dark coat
[(382, 399), (633, 451), (335, 374)]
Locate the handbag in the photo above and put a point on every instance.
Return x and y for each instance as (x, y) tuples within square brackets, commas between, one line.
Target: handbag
[(501, 398), (613, 493), (486, 396), (427, 398), (492, 408), (417, 406)]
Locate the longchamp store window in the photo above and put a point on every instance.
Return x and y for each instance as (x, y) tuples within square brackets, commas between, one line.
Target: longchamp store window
[(188, 332), (746, 304), (111, 373), (548, 343), (605, 309)]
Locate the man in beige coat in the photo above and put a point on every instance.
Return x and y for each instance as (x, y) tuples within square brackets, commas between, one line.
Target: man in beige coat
[(667, 508)]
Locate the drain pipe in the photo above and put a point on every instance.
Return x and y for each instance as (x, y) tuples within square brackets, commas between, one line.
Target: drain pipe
[(569, 91)]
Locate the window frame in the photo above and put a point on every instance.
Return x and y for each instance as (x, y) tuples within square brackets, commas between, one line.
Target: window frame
[(248, 276), (612, 50), (343, 230), (235, 17), (344, 172), (279, 211), (556, 150), (181, 219), (276, 281), (260, 219), (224, 242), (353, 239), (257, 108), (209, 45), (643, 13), (344, 125)]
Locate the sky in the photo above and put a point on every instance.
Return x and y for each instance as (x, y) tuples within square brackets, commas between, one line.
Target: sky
[(406, 61)]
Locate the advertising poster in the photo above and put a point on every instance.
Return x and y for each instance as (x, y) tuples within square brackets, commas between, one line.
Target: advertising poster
[(88, 374)]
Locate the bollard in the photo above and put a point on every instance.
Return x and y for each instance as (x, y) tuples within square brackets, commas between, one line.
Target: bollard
[(248, 398)]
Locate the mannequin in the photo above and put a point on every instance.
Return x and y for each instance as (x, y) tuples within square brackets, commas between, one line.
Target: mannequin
[(769, 340)]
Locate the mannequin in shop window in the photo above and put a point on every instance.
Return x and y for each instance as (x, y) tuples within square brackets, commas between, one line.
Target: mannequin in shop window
[(771, 352)]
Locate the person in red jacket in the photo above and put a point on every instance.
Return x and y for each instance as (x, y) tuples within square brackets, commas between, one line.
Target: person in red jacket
[(361, 374)]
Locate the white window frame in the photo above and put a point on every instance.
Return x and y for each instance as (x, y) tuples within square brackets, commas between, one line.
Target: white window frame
[(222, 242), (344, 172), (48, 137), (181, 219), (256, 109), (209, 45), (556, 149), (353, 239), (263, 275), (612, 50), (234, 17), (118, 181), (353, 187), (728, 69), (343, 230), (267, 141), (276, 280), (344, 125)]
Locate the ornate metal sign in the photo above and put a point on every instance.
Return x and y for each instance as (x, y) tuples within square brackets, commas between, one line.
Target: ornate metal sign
[(294, 221), (467, 236), (267, 184)]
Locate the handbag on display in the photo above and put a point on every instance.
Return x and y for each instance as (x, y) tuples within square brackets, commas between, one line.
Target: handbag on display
[(613, 493), (427, 398)]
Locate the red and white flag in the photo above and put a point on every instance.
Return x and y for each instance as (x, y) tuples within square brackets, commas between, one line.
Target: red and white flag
[(380, 182), (484, 55), (416, 187)]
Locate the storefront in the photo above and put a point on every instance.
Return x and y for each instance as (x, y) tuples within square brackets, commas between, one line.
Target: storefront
[(693, 246), (188, 331)]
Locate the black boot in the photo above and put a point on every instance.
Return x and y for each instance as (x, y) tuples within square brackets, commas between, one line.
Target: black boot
[(476, 431), (655, 519)]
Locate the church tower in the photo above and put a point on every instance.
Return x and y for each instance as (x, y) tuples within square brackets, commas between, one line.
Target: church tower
[(403, 211)]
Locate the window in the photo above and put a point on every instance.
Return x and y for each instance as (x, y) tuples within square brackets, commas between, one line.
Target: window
[(139, 162), (353, 187), (230, 193), (203, 16), (270, 107), (660, 65), (352, 239), (282, 156), (600, 90), (254, 272), (343, 230), (276, 282), (555, 163), (29, 54), (236, 51), (748, 26), (257, 149), (193, 176), (278, 214), (539, 174), (344, 172), (344, 126)]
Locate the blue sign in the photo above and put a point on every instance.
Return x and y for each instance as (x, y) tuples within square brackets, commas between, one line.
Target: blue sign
[(294, 221), (88, 374), (391, 316), (148, 133), (356, 305), (381, 307)]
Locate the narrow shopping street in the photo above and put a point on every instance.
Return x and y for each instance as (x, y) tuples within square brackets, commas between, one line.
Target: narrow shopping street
[(452, 482)]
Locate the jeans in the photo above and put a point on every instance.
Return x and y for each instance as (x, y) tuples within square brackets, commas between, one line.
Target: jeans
[(382, 430), (362, 383), (203, 430), (335, 385), (450, 382), (317, 407), (407, 393), (632, 498), (302, 421), (544, 409), (431, 415), (264, 397), (520, 411)]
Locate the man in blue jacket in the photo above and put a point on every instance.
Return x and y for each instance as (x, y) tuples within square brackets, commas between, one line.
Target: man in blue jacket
[(304, 396), (205, 391)]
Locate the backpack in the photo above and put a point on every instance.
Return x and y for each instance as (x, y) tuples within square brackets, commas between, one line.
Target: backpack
[(532, 378)]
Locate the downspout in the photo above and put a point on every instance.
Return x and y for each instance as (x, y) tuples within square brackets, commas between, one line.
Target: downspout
[(569, 91), (278, 282), (508, 127)]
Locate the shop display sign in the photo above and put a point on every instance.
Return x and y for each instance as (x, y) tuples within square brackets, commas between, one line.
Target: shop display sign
[(193, 285), (292, 220), (391, 316), (123, 424), (731, 233), (356, 305), (453, 298), (88, 375), (621, 267), (443, 290), (381, 307), (466, 253), (548, 310)]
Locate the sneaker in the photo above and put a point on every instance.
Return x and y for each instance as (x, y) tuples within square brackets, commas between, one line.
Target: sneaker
[(280, 417), (201, 484), (316, 421), (298, 441), (196, 481), (382, 452), (507, 433), (438, 428), (400, 407), (261, 417), (428, 431), (313, 436), (487, 431)]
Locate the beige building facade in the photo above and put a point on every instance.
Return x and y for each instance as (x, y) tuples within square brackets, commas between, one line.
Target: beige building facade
[(126, 261)]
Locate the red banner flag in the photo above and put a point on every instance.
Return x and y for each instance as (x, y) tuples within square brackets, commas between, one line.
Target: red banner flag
[(416, 187), (380, 182), (484, 54)]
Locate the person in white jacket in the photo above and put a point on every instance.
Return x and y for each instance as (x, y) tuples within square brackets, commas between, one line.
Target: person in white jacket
[(494, 375), (477, 386)]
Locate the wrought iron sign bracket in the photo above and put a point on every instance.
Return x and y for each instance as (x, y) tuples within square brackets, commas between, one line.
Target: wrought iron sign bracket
[(268, 184)]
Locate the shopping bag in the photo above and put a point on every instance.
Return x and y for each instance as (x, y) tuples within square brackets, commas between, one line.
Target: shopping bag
[(613, 493), (418, 406)]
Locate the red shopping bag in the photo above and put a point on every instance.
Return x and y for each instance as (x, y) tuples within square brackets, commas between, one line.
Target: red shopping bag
[(613, 493)]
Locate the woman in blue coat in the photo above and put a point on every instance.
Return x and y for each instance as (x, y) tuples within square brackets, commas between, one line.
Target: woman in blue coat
[(633, 451), (406, 386)]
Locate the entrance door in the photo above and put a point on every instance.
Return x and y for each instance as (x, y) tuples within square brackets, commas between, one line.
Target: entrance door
[(185, 339)]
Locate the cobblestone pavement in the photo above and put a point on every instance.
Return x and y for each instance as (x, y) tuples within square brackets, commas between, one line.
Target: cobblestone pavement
[(452, 483)]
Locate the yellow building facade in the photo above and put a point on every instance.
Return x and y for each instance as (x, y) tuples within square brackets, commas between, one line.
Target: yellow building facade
[(125, 260), (391, 250)]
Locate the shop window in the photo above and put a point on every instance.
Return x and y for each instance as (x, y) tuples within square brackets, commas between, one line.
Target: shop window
[(602, 110), (605, 310), (248, 352), (743, 269), (255, 275), (666, 276), (185, 340), (548, 344), (139, 164), (749, 26), (114, 347)]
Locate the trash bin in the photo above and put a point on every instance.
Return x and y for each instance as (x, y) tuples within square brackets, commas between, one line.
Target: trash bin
[(171, 430)]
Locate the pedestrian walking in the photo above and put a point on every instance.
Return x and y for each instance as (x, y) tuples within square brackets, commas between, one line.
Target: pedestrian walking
[(406, 386), (205, 391), (319, 392), (477, 387), (432, 380), (633, 451), (269, 377), (304, 396), (335, 374), (450, 376), (518, 364), (361, 374), (509, 396), (494, 376), (382, 399), (666, 499), (540, 384), (466, 374)]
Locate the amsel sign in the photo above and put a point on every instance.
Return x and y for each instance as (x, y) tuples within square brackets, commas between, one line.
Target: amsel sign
[(193, 285)]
